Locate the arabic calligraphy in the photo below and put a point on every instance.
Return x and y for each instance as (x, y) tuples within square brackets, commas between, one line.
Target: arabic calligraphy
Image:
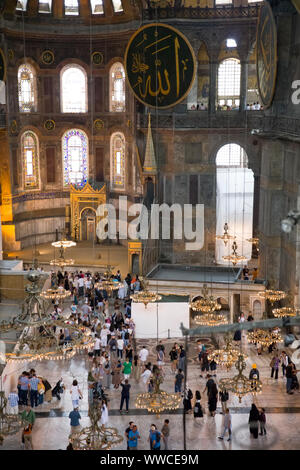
[(160, 65), (266, 54)]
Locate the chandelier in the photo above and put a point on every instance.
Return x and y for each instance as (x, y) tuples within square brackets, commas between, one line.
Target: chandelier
[(145, 296), (211, 319), (264, 338), (38, 340), (254, 241), (240, 385), (272, 295), (9, 424), (62, 245), (234, 258), (226, 356), (108, 283), (56, 293), (206, 304), (225, 237), (95, 437), (285, 312), (158, 400)]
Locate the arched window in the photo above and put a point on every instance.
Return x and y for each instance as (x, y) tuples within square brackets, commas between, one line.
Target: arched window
[(97, 7), (71, 7), (229, 81), (30, 157), (234, 202), (223, 2), (117, 6), (117, 154), (45, 6), (73, 89), (27, 88), (117, 88), (75, 157), (21, 5)]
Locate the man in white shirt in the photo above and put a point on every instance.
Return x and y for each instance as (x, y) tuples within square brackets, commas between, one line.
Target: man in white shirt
[(145, 376), (103, 336), (120, 342), (97, 346), (143, 355), (80, 287)]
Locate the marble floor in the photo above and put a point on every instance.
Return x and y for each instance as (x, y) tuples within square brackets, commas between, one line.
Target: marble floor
[(283, 411)]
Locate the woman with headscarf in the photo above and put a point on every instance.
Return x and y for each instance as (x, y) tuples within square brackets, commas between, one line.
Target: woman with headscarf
[(187, 399), (212, 399), (254, 421)]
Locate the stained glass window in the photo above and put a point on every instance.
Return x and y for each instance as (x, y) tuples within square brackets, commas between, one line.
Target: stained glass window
[(75, 157), (45, 6), (27, 88), (71, 7), (117, 5), (21, 5), (30, 160), (117, 149), (97, 7), (73, 89), (229, 80), (117, 88)]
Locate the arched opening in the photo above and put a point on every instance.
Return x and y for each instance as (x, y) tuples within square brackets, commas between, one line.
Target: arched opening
[(88, 225), (117, 155), (30, 157), (75, 157), (234, 201), (203, 78), (27, 88), (117, 88), (73, 84), (229, 76)]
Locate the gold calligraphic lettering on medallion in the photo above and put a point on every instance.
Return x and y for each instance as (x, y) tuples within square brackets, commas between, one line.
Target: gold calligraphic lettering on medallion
[(266, 54), (160, 65)]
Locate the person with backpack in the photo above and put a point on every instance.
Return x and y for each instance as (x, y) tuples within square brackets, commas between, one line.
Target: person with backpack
[(274, 364), (224, 397), (262, 422), (154, 438)]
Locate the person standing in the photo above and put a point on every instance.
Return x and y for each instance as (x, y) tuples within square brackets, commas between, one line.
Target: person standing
[(143, 355), (24, 386), (227, 425), (224, 397), (136, 368), (178, 381), (284, 362), (181, 361), (253, 421), (33, 387), (125, 395), (254, 373), (28, 416), (129, 428), (154, 438), (97, 346), (75, 421), (127, 369), (133, 437), (27, 436), (173, 358), (120, 342), (145, 376), (289, 378), (76, 394), (116, 374), (274, 364), (262, 422), (104, 415), (165, 432), (212, 399), (198, 412), (13, 403), (187, 399)]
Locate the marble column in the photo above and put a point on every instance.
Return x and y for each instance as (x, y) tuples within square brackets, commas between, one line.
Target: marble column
[(213, 86), (244, 85)]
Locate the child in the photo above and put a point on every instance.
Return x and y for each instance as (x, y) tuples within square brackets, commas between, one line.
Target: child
[(262, 421)]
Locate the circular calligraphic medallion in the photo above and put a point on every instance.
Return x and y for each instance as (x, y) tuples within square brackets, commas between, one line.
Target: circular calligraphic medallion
[(47, 57), (266, 54), (160, 65), (49, 125), (97, 58), (98, 124)]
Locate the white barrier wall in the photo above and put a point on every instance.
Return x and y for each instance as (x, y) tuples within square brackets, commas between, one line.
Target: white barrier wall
[(162, 316)]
